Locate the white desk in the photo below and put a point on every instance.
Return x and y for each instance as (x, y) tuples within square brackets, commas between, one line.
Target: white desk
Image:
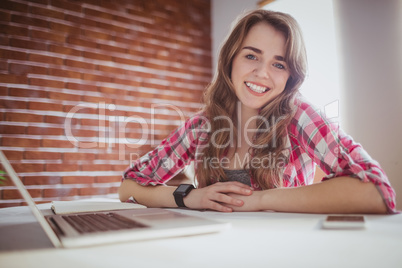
[(263, 239)]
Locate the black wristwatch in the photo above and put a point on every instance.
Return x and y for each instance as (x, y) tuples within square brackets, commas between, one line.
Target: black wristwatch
[(182, 191)]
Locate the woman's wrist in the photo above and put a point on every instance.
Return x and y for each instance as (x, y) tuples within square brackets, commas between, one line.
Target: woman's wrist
[(189, 200), (268, 199), (260, 198)]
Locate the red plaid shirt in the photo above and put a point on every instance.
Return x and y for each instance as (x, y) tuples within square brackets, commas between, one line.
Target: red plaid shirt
[(311, 138)]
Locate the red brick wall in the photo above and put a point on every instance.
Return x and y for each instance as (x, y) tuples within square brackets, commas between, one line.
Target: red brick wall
[(85, 85)]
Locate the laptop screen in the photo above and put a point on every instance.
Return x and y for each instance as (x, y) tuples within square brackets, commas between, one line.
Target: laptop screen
[(27, 197)]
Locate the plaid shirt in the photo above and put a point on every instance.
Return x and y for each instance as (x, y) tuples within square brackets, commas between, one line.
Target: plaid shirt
[(312, 140)]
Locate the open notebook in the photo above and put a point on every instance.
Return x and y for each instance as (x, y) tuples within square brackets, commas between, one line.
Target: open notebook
[(112, 226)]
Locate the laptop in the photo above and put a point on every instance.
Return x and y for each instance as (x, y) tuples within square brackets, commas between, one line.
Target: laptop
[(97, 228)]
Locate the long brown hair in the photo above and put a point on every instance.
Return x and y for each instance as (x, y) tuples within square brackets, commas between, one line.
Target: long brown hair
[(221, 102)]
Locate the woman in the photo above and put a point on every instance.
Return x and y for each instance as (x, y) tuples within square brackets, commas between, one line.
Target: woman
[(256, 142)]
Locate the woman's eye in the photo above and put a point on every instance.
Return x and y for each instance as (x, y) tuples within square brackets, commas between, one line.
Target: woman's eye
[(279, 66), (251, 57)]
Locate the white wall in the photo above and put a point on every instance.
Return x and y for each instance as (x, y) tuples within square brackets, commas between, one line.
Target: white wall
[(223, 13), (370, 33)]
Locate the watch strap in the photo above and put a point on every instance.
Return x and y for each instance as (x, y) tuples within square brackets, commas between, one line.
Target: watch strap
[(182, 191), (179, 201)]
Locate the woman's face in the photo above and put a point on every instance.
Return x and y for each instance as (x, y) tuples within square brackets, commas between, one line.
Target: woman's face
[(259, 72)]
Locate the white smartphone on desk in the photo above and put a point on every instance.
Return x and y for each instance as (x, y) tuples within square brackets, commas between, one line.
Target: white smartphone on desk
[(344, 222)]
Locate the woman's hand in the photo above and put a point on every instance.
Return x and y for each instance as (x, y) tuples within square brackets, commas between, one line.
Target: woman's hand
[(218, 196), (252, 202)]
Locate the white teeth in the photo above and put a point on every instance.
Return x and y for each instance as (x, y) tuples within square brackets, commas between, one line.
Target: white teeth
[(255, 88)]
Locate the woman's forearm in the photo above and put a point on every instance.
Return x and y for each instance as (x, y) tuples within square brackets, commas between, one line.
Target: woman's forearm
[(215, 196), (338, 195), (150, 196)]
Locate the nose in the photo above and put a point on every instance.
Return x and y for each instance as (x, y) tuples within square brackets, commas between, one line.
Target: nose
[(262, 71)]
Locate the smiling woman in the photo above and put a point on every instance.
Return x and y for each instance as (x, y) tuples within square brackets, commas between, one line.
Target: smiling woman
[(268, 127), (264, 51), (257, 74)]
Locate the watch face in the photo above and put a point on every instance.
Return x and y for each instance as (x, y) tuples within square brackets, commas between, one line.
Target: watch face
[(182, 188)]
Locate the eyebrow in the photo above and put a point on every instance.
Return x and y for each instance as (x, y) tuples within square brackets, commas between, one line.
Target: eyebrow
[(259, 51), (256, 50)]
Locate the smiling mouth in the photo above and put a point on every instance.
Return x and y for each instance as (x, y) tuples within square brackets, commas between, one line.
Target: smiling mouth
[(256, 88)]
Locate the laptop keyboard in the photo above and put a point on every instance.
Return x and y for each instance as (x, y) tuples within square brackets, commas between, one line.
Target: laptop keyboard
[(101, 222)]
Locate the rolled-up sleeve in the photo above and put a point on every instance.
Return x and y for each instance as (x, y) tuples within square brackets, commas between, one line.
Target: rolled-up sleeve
[(172, 155), (336, 153)]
